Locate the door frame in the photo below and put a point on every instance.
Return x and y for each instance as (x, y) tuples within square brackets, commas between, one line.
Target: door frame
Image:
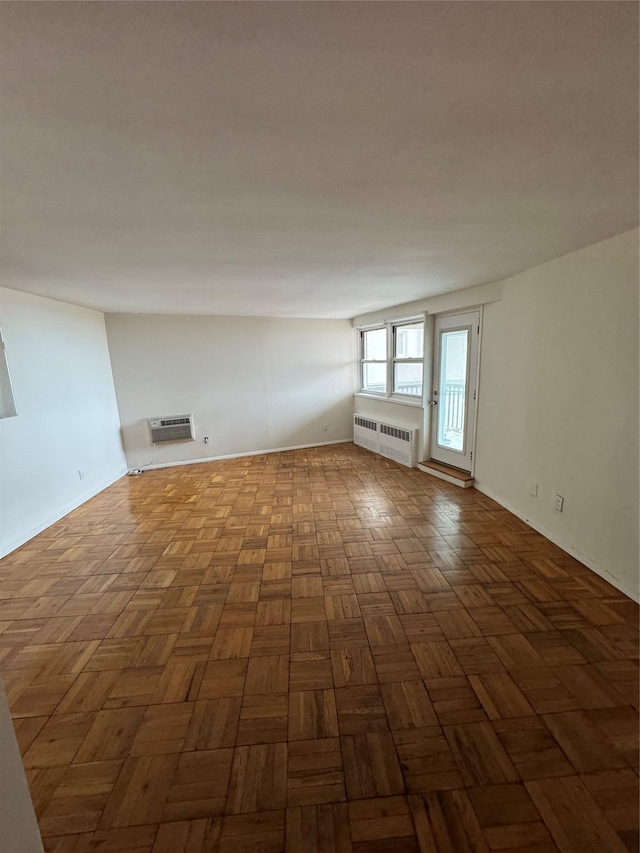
[(472, 427)]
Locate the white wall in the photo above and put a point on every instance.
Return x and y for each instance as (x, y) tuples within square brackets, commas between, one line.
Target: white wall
[(251, 383), (67, 419), (18, 826), (559, 403)]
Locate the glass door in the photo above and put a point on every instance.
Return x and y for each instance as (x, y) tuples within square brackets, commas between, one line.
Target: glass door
[(453, 404)]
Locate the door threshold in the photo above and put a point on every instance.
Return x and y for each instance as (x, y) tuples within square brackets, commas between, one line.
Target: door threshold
[(447, 473)]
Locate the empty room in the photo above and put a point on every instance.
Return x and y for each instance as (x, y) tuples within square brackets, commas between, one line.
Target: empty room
[(319, 427)]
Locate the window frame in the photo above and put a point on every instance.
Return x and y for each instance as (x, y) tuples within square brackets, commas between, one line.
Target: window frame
[(7, 397), (395, 359), (391, 360), (362, 360)]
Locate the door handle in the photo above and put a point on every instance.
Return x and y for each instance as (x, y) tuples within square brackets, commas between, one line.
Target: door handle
[(433, 402)]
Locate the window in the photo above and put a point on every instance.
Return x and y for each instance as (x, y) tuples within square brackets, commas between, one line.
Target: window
[(7, 404), (374, 361), (391, 357), (408, 344)]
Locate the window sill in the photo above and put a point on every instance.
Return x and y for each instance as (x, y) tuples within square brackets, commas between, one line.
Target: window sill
[(402, 401)]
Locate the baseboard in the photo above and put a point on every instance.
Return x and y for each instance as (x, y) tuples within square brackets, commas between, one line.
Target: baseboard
[(621, 585), (158, 465), (65, 510)]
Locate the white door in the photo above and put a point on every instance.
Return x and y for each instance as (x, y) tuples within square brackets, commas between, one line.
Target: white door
[(455, 367)]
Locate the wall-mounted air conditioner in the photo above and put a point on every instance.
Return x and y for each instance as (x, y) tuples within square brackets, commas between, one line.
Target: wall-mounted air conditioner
[(172, 428)]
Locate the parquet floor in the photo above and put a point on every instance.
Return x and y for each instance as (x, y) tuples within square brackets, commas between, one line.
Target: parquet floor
[(317, 651)]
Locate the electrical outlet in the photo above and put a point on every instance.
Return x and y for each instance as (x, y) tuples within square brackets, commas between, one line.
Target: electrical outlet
[(325, 427), (206, 439), (559, 504), (533, 490), (81, 475)]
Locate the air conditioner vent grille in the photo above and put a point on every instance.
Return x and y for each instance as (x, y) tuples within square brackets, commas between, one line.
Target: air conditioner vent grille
[(165, 422), (171, 428)]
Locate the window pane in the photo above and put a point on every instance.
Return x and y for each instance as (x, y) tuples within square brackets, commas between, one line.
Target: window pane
[(453, 387), (375, 344), (7, 404), (374, 377), (409, 340), (407, 379)]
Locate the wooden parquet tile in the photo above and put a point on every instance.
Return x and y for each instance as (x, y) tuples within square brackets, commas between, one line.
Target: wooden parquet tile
[(371, 766), (317, 652)]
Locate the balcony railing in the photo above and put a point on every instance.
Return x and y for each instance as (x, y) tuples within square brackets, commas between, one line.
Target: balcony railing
[(452, 400), (413, 389), (452, 413), (451, 404)]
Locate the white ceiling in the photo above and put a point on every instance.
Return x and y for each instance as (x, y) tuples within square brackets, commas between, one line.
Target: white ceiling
[(308, 159)]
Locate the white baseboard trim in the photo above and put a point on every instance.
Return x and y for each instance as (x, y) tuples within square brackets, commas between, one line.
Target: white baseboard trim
[(240, 455), (60, 513), (570, 549)]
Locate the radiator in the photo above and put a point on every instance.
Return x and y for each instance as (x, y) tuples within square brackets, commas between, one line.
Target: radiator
[(399, 443), (365, 433)]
